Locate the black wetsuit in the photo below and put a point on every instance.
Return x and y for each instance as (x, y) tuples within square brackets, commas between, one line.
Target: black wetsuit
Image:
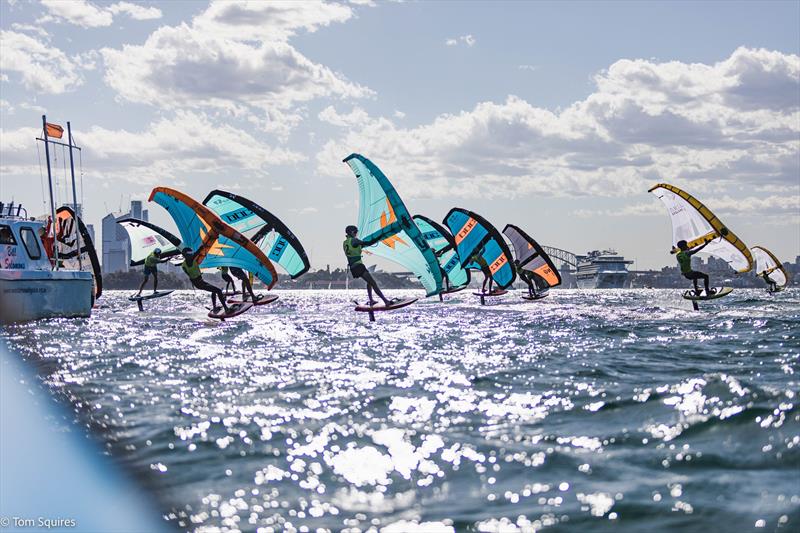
[(196, 278)]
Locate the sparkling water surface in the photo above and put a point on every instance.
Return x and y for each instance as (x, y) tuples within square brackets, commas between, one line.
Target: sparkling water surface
[(618, 410)]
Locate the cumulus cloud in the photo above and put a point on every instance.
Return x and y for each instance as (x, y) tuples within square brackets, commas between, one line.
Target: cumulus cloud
[(735, 123), (41, 67), (185, 145), (88, 15), (31, 28), (135, 11), (233, 56), (354, 118), (468, 40), (268, 21)]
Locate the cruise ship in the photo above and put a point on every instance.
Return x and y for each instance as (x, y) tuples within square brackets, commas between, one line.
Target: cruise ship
[(602, 270)]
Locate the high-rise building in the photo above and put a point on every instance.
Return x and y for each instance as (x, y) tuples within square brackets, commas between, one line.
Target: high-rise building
[(136, 209), (90, 230), (116, 247)]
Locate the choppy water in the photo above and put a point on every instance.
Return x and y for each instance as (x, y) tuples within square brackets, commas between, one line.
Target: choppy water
[(589, 410)]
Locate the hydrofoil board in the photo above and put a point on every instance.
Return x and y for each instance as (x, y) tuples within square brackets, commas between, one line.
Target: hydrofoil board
[(493, 293), (261, 299), (157, 294), (391, 307), (233, 310), (537, 296), (720, 292)]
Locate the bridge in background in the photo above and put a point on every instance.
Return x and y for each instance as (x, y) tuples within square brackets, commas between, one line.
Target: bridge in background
[(563, 255)]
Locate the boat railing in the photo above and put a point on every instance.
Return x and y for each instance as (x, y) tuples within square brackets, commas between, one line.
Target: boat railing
[(13, 211)]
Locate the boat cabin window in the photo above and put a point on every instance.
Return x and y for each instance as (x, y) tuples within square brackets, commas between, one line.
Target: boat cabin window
[(6, 235), (31, 242)]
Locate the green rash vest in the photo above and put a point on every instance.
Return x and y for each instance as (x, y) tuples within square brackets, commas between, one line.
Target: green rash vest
[(151, 260), (193, 270), (685, 261), (352, 252)]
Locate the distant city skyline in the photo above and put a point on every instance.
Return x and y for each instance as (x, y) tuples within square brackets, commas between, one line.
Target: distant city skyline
[(555, 116)]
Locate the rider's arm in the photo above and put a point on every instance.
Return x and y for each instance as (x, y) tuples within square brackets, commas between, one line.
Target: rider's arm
[(695, 250)]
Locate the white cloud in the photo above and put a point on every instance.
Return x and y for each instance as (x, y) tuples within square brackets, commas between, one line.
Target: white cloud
[(39, 110), (135, 11), (468, 40), (185, 145), (267, 21), (646, 209), (41, 67), (399, 114), (78, 12), (530, 68), (88, 15), (233, 56), (38, 30), (735, 123), (354, 118)]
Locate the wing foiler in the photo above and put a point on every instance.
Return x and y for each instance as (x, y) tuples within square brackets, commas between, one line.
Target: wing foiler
[(276, 240), (474, 234), (75, 247), (444, 246), (215, 243), (695, 223), (767, 263), (146, 237), (383, 216), (532, 258)]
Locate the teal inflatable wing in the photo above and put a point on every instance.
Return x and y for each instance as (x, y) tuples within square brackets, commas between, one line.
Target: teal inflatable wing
[(276, 240), (474, 234), (215, 243), (444, 246), (382, 216)]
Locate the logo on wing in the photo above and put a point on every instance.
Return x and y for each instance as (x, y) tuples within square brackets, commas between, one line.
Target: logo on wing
[(388, 217), (217, 248)]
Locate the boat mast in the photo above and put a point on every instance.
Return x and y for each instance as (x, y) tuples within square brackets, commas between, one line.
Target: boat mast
[(75, 214), (50, 184)]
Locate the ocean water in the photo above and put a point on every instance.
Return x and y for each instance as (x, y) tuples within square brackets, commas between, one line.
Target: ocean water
[(617, 410)]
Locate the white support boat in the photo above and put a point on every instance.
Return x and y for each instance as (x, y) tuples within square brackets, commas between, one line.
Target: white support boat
[(38, 278), (29, 287)]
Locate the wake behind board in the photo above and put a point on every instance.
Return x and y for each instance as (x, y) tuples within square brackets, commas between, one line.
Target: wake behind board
[(721, 292), (233, 310), (538, 296), (261, 299), (365, 308), (152, 295)]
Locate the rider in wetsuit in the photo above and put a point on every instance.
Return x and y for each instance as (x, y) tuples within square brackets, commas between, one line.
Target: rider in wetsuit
[(192, 269), (684, 258), (353, 250), (526, 277), (247, 287), (151, 267), (487, 274), (223, 271), (772, 285)]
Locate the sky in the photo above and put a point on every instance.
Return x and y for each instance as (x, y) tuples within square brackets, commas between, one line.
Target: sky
[(554, 116)]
